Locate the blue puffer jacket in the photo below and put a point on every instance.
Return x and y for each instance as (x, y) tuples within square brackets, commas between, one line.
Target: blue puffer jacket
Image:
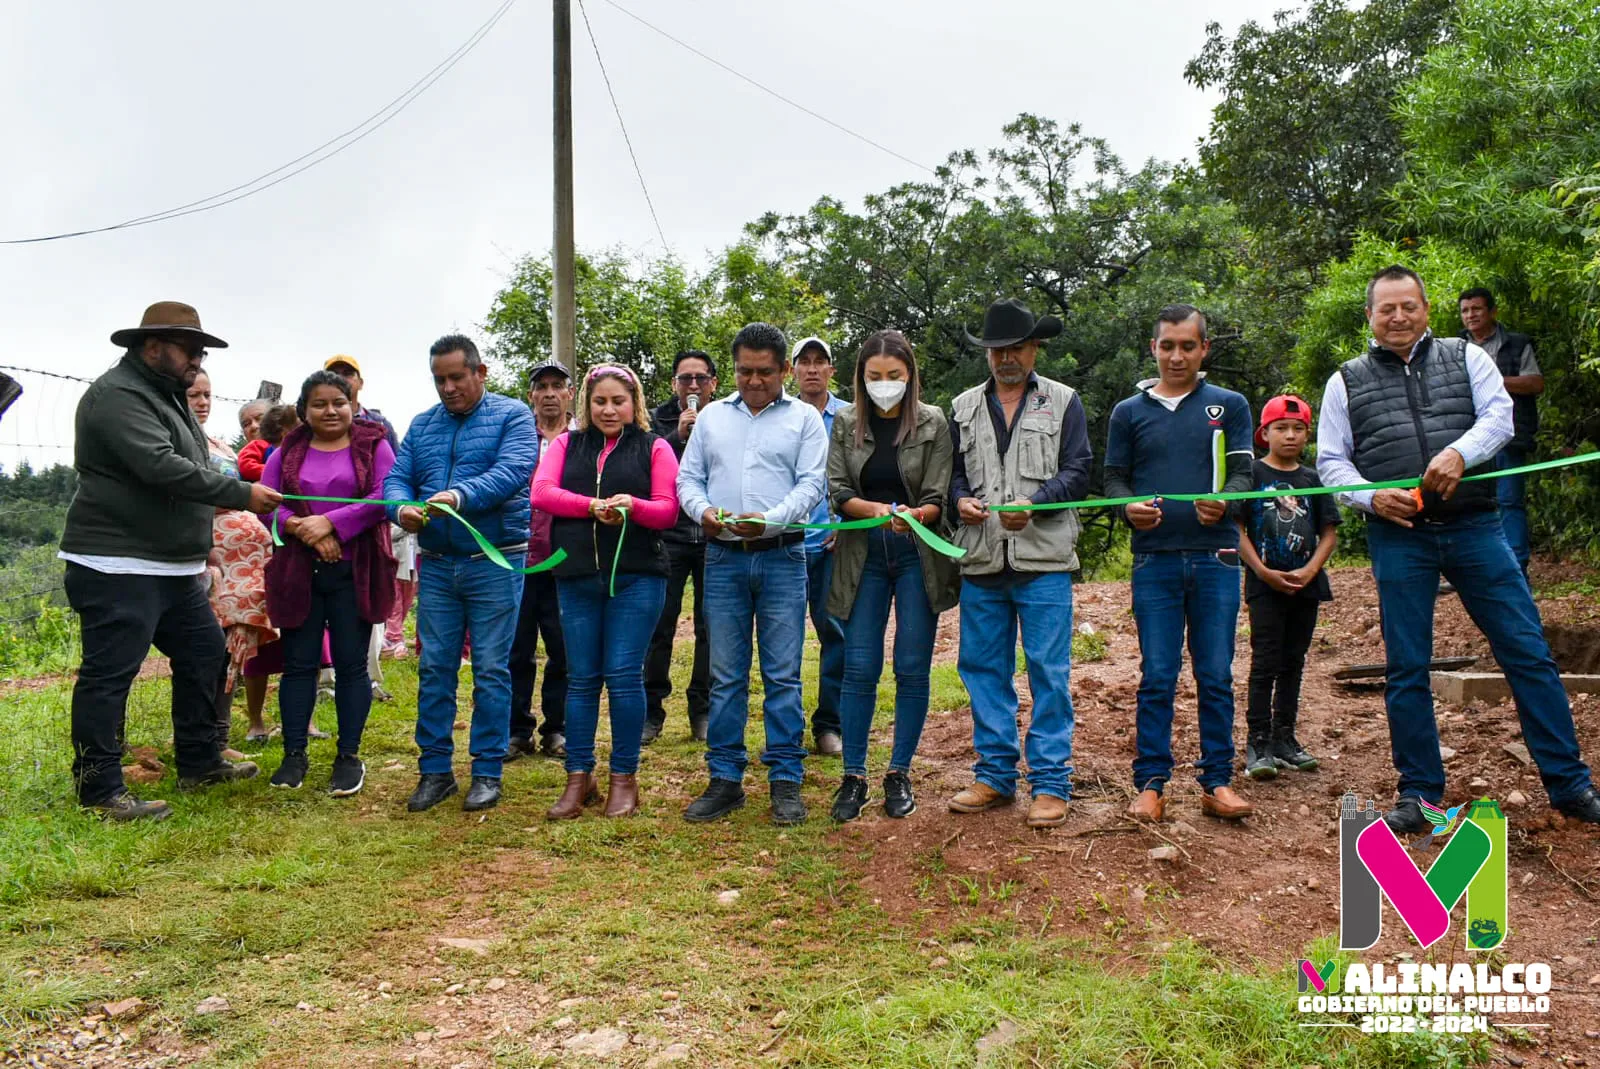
[(486, 456)]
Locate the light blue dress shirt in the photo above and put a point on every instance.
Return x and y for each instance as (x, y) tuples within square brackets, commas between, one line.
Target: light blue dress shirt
[(773, 462), (1488, 434), (822, 513)]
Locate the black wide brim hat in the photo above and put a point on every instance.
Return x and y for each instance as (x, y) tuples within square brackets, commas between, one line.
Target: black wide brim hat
[(1009, 322)]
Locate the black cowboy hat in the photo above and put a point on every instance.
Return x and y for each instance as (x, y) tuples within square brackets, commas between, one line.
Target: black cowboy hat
[(1009, 322), (173, 318)]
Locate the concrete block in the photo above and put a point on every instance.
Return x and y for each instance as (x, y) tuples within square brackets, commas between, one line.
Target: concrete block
[(1462, 688)]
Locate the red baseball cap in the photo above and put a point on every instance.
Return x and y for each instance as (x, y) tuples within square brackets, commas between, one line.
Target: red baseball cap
[(1284, 406)]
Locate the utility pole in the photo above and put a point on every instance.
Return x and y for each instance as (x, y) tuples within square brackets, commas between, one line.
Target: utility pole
[(563, 323)]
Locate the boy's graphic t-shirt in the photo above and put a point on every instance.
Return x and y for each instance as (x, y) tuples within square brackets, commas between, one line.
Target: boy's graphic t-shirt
[(1284, 530)]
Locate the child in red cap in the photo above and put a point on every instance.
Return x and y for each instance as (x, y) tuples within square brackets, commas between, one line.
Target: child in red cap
[(1285, 541)]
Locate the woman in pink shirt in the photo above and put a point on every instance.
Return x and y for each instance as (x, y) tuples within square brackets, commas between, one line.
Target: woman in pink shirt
[(334, 573), (611, 586)]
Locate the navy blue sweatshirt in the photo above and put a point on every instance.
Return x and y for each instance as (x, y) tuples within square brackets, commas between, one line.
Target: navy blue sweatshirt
[(1150, 450)]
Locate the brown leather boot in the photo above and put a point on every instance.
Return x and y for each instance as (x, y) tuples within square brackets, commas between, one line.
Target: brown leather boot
[(579, 793), (1225, 804), (622, 795), (977, 798), (1148, 806), (1047, 811)]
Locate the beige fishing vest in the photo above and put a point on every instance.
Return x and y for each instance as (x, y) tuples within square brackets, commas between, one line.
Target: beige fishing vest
[(1048, 543)]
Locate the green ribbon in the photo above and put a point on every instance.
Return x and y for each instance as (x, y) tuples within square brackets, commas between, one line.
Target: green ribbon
[(1304, 491), (489, 549), (933, 541)]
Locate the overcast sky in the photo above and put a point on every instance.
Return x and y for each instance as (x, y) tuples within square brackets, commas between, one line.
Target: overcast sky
[(112, 111)]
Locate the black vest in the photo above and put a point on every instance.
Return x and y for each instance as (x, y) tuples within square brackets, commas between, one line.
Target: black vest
[(591, 545), (1403, 415), (1524, 407)]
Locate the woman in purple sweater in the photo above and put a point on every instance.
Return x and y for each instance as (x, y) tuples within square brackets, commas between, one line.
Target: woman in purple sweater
[(335, 570)]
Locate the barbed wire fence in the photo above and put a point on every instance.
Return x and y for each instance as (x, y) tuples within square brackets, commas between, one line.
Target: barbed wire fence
[(37, 633)]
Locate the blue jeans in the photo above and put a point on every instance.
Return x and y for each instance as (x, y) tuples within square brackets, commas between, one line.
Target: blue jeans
[(990, 619), (1472, 553), (1512, 492), (766, 589), (456, 595), (1174, 592), (830, 637), (892, 571), (333, 606), (606, 640)]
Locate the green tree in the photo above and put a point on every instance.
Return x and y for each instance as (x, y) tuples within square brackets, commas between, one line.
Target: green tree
[(638, 312), (1305, 140)]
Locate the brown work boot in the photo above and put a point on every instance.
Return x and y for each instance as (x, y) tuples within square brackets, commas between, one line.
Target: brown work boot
[(977, 798), (579, 793), (622, 795), (1225, 804), (1047, 811), (1148, 807)]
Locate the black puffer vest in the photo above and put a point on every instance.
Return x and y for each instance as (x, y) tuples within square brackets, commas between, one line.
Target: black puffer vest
[(1524, 407), (591, 545), (1403, 415)]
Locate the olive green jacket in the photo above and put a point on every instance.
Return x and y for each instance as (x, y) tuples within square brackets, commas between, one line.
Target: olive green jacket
[(926, 459), (145, 485)]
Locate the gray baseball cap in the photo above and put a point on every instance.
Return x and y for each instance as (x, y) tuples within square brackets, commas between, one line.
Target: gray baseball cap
[(552, 364)]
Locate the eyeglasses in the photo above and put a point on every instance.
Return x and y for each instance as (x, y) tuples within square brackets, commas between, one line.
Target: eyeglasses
[(695, 380), (191, 348)]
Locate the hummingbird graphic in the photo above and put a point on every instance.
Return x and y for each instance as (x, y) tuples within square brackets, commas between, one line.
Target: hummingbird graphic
[(1441, 819)]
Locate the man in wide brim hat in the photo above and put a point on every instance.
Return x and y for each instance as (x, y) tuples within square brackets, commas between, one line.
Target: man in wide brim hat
[(1009, 322), (172, 319), (137, 536), (1019, 438)]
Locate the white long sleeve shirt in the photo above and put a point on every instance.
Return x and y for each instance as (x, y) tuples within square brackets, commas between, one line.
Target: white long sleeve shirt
[(1490, 432)]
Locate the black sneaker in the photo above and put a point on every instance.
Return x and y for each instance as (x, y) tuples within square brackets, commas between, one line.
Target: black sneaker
[(1288, 753), (554, 745), (697, 726), (291, 772), (1258, 762), (432, 788), (483, 794), (226, 772), (520, 746), (722, 796), (123, 806), (1407, 817), (848, 800), (349, 775), (787, 808), (652, 732), (898, 801)]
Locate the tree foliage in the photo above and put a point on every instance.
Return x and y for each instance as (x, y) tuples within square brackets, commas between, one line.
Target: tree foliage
[(1305, 141), (1499, 128)]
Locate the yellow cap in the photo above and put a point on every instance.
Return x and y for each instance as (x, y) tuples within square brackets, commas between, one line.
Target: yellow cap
[(341, 358)]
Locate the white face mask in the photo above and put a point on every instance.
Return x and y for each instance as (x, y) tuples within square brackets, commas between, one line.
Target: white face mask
[(886, 394)]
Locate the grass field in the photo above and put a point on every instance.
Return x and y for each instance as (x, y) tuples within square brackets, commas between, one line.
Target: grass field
[(319, 921)]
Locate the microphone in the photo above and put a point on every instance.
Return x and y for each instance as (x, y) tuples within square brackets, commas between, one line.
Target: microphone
[(694, 402)]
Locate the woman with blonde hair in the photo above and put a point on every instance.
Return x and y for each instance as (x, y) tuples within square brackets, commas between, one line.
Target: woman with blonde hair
[(611, 486)]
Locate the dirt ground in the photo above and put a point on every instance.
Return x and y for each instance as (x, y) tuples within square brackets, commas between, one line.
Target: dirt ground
[(1259, 890), (1255, 893)]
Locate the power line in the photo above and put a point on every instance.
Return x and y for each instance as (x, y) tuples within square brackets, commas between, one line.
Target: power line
[(768, 89), (584, 11), (368, 126)]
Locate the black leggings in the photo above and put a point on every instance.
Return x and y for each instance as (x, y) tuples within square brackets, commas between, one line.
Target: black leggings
[(1281, 626)]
